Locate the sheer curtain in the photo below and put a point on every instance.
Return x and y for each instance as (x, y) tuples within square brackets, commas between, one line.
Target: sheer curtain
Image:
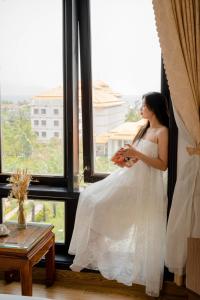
[(178, 25)]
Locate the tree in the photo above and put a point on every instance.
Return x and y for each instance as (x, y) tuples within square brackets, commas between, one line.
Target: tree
[(18, 136), (133, 115)]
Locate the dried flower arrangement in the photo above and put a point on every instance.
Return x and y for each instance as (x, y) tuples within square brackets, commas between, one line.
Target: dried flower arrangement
[(19, 183)]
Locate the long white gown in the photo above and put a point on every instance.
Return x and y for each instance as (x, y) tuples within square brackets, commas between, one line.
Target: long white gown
[(120, 225)]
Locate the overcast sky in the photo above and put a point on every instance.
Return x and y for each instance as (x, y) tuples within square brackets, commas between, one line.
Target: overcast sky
[(125, 49)]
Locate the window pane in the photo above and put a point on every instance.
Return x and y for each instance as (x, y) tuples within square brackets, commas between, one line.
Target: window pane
[(38, 211), (126, 63), (31, 83)]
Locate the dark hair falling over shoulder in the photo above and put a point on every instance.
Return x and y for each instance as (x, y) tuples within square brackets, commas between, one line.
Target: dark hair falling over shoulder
[(157, 103)]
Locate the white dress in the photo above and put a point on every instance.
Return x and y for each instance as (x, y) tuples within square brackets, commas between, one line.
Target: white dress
[(120, 225)]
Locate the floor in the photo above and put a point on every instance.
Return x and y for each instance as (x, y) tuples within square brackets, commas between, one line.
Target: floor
[(92, 288)]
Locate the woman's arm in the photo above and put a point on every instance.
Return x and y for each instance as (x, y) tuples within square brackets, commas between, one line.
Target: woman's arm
[(158, 163)]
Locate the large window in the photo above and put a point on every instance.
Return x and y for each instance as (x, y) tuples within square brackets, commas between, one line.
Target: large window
[(39, 211), (31, 81), (126, 63), (44, 121), (120, 61), (38, 97)]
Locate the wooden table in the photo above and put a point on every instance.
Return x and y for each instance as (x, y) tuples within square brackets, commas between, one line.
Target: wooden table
[(23, 248)]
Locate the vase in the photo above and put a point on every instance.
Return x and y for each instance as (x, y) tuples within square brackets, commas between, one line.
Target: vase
[(21, 216)]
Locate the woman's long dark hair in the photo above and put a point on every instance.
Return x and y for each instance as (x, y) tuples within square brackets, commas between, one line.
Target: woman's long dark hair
[(157, 103)]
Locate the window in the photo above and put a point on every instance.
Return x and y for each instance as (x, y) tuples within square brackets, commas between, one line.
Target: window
[(45, 90), (36, 122), (44, 134), (56, 123), (36, 111), (43, 122), (56, 134), (34, 89), (106, 60), (118, 84), (123, 68), (56, 111), (38, 211), (37, 84), (43, 111)]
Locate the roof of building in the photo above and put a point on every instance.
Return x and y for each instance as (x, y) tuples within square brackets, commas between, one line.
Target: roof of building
[(103, 95), (125, 131), (52, 94)]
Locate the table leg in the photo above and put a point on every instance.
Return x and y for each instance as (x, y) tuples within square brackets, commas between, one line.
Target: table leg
[(50, 265), (26, 279)]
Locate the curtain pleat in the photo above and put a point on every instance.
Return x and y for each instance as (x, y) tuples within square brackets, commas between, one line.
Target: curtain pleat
[(178, 26)]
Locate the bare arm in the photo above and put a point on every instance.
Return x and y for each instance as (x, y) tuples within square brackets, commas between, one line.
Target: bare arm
[(161, 161)]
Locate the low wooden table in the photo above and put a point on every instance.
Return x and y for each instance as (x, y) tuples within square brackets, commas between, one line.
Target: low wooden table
[(23, 248)]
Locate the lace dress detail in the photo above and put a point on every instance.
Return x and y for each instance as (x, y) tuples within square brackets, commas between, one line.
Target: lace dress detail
[(120, 225)]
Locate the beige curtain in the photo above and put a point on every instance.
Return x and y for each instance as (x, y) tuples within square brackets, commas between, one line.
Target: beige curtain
[(178, 25)]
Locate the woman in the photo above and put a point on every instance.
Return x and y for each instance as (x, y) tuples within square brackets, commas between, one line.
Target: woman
[(121, 220)]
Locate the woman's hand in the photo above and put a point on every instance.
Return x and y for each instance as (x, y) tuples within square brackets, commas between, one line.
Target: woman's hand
[(131, 152)]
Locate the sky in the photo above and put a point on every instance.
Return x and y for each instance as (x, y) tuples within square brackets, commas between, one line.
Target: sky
[(125, 47)]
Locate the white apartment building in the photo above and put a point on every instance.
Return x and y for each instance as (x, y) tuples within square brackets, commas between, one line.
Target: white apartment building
[(47, 114), (109, 111)]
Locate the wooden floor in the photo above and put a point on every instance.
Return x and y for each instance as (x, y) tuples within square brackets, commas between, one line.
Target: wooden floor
[(83, 286)]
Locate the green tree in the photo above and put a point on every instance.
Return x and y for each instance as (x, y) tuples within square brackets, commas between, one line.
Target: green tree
[(18, 137), (133, 115)]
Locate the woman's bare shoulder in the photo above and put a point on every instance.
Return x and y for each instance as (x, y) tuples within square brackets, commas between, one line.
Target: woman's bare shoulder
[(163, 133), (163, 130)]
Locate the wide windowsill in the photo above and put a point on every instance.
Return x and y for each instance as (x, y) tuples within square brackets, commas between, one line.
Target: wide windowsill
[(45, 191)]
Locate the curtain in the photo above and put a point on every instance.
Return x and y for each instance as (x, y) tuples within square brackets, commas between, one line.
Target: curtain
[(178, 25)]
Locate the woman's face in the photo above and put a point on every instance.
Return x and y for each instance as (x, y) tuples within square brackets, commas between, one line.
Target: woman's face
[(145, 112)]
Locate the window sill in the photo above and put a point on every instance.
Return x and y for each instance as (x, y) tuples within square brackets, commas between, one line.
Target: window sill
[(43, 191)]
